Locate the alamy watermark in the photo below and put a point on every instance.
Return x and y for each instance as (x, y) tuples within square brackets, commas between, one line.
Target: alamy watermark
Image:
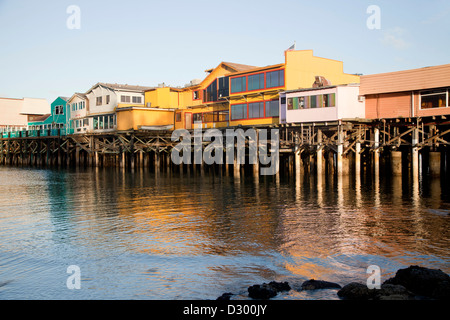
[(373, 22), (74, 280), (74, 20), (232, 147), (374, 280)]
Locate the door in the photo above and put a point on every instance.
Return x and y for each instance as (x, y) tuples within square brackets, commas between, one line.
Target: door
[(188, 120)]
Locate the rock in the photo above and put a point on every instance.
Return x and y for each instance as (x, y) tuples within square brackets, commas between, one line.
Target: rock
[(280, 286), (423, 281), (225, 296), (355, 291), (267, 291), (263, 291), (392, 292), (319, 284)]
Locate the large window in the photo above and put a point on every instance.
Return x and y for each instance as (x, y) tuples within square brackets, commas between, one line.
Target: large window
[(272, 108), (434, 99), (104, 122), (238, 84), (99, 101), (239, 111), (125, 99), (256, 110), (275, 79), (210, 93), (315, 101), (255, 81), (223, 87)]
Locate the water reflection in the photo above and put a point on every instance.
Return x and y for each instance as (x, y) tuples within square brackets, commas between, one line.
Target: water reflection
[(168, 235)]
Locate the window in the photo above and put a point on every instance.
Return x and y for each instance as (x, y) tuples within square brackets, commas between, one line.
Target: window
[(239, 111), (197, 117), (137, 99), (434, 99), (238, 84), (210, 93), (275, 79), (107, 99), (196, 95), (99, 101), (256, 110), (223, 87), (85, 122), (125, 99), (329, 100), (272, 108), (178, 117), (221, 116), (59, 110), (256, 81)]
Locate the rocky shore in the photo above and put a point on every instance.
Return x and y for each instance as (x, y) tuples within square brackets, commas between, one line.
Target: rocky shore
[(412, 283)]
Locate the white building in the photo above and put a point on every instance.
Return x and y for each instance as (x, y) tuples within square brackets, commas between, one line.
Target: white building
[(321, 104), (98, 113), (15, 113), (78, 105)]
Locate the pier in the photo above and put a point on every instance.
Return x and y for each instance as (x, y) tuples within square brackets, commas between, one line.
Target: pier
[(399, 146)]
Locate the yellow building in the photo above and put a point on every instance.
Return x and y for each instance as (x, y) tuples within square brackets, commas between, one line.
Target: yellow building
[(254, 94), (231, 94)]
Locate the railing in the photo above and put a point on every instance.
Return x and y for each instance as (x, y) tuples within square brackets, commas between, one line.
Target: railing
[(36, 133)]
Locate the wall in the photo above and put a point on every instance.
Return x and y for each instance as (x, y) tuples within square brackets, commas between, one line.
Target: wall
[(302, 67), (134, 117)]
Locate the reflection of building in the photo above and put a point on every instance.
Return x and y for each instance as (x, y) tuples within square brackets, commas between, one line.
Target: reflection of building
[(409, 93), (328, 103), (15, 113)]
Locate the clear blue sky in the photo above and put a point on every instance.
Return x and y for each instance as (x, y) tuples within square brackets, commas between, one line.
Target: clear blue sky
[(150, 42)]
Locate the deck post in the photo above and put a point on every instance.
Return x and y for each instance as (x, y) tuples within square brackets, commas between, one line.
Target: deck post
[(435, 163), (376, 155), (358, 158), (415, 152), (396, 162), (319, 162)]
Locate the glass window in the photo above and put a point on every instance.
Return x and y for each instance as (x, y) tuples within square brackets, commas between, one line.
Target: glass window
[(433, 99), (99, 101), (256, 81), (313, 101), (95, 123), (197, 117), (108, 99), (196, 95), (238, 84), (137, 99), (275, 79), (295, 103), (290, 103), (330, 100), (272, 108), (178, 117), (256, 110), (210, 93), (101, 123), (320, 101), (223, 87), (125, 99), (239, 111)]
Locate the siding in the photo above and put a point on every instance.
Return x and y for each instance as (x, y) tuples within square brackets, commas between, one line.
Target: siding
[(407, 80), (388, 105)]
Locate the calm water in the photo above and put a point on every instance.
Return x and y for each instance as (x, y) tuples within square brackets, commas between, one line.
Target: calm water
[(146, 236)]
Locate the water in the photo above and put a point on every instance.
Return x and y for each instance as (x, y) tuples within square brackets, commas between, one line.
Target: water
[(165, 236)]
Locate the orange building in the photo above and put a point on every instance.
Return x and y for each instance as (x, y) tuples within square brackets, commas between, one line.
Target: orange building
[(409, 93)]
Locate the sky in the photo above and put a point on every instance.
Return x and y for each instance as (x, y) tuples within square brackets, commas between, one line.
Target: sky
[(150, 42)]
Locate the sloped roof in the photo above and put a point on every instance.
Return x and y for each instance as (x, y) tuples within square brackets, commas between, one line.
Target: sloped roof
[(35, 106), (239, 67), (117, 86)]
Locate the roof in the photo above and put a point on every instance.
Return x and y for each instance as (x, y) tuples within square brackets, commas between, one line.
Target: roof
[(406, 80), (41, 118), (321, 88), (255, 69), (122, 87), (35, 106), (77, 94), (237, 67)]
